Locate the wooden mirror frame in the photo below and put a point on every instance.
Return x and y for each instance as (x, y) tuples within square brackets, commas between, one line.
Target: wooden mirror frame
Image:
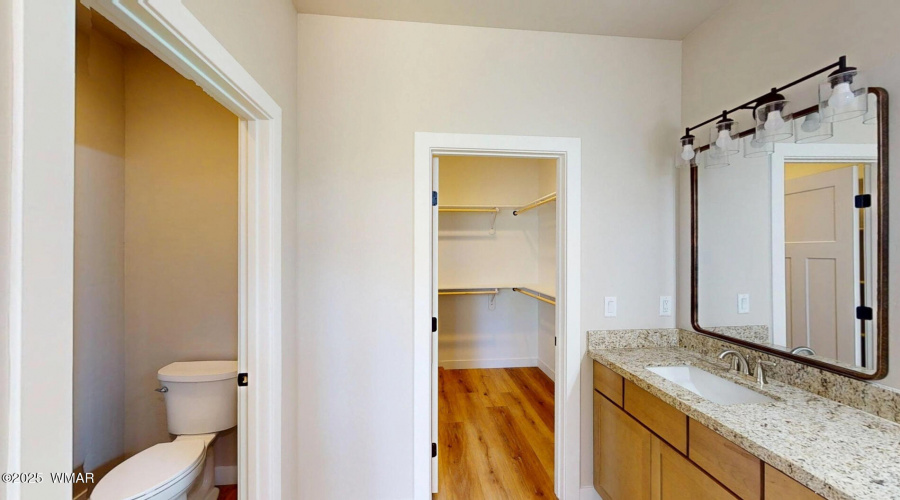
[(881, 312)]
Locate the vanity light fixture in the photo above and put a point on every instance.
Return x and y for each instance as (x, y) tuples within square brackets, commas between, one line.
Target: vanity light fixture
[(811, 128), (686, 154), (723, 137), (871, 116), (773, 117), (755, 147), (844, 94)]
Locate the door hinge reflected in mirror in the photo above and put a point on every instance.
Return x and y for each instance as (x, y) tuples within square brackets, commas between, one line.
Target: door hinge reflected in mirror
[(862, 201), (864, 313)]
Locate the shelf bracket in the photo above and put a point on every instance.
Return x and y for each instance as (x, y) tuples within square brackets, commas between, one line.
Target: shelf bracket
[(492, 303), (494, 222)]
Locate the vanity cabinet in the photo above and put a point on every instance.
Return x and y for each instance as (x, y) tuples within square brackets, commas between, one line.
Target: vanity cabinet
[(622, 453), (680, 479), (646, 449)]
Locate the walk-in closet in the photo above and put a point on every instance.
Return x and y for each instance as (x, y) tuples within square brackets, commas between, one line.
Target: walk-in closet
[(496, 278)]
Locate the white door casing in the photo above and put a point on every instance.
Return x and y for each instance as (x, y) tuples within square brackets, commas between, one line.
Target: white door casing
[(572, 343), (435, 216)]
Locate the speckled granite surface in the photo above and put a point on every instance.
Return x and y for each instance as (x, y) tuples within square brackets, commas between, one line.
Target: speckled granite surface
[(870, 397), (750, 333), (631, 339), (835, 450)]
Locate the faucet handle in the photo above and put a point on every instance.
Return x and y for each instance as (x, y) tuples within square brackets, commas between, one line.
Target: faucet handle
[(761, 368)]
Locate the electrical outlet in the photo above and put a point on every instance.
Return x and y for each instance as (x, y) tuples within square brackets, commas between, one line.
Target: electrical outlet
[(743, 303), (665, 305), (609, 307)]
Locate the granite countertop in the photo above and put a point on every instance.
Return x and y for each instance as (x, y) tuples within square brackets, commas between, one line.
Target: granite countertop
[(836, 450)]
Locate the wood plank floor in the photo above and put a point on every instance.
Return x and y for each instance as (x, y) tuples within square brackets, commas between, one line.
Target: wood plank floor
[(228, 492), (495, 433)]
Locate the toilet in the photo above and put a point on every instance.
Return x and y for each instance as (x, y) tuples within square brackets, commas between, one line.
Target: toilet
[(201, 401)]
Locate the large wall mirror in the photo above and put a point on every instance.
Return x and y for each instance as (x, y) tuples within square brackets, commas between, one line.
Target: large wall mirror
[(790, 246)]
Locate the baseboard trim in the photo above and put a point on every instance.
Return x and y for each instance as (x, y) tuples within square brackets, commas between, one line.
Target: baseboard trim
[(547, 370), (588, 493), (226, 474), (465, 364)]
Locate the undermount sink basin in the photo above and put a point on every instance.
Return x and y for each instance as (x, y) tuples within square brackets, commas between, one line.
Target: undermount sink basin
[(712, 387)]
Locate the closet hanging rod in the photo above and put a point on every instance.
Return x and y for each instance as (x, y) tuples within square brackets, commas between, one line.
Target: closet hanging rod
[(474, 291), (536, 203), (535, 295)]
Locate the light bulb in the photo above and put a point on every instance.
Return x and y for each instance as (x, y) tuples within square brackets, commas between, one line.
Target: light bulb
[(687, 153), (841, 95), (811, 123), (724, 139), (774, 121)]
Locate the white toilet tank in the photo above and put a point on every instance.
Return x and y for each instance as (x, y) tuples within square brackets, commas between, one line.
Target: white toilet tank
[(201, 396)]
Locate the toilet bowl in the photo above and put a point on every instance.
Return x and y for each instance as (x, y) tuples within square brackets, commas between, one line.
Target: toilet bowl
[(201, 400)]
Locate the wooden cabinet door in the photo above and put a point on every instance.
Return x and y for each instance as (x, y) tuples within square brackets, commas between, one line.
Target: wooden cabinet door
[(622, 453), (779, 486), (682, 480)]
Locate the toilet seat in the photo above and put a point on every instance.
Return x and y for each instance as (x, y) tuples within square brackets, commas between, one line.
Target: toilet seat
[(152, 470)]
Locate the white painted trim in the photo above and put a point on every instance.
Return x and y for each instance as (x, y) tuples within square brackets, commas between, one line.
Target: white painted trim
[(547, 370), (16, 209), (589, 493), (226, 474), (466, 364), (572, 344), (170, 31), (798, 153)]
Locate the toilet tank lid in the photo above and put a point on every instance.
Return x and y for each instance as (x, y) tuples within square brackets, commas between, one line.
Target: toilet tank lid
[(198, 371)]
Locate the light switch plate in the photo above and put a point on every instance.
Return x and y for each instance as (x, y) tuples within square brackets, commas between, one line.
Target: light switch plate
[(743, 303), (665, 305), (609, 307)]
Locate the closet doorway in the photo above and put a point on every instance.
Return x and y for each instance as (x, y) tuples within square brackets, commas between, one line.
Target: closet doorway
[(495, 267), (496, 273)]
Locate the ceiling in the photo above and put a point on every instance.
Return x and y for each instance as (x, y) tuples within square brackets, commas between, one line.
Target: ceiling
[(663, 19)]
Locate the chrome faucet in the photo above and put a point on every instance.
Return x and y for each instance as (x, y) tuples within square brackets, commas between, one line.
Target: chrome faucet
[(761, 371), (803, 350), (738, 361)]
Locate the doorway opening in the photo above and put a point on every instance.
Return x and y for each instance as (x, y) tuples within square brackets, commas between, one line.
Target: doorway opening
[(495, 268), (155, 258), (508, 314)]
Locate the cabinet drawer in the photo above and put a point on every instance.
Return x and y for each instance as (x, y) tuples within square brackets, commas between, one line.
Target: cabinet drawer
[(682, 480), (608, 382), (780, 486), (661, 418), (730, 464)]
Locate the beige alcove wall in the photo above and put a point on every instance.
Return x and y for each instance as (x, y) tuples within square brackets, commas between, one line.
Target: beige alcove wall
[(156, 233)]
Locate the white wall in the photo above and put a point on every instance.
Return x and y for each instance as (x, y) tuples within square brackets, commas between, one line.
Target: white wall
[(748, 47), (99, 334), (262, 36), (5, 157), (547, 271), (365, 87)]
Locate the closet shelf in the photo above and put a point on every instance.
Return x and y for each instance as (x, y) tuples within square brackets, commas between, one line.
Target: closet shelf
[(529, 291), (473, 209), (543, 297), (536, 203), (468, 291)]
